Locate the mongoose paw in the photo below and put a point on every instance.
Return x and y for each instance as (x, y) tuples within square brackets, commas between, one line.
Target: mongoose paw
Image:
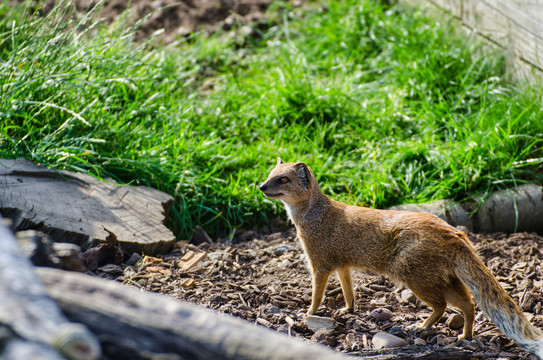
[(415, 327), (345, 310), (464, 337), (311, 312)]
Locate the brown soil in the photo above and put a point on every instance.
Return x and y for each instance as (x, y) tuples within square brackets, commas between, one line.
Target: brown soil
[(254, 281), (178, 18)]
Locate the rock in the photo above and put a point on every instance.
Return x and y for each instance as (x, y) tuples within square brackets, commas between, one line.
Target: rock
[(133, 259), (274, 310), (419, 341), (385, 340), (107, 252), (350, 339), (264, 322), (428, 333), (455, 322), (282, 249), (314, 323), (441, 340), (324, 336), (274, 236), (407, 295), (70, 255), (397, 331), (111, 269), (381, 314)]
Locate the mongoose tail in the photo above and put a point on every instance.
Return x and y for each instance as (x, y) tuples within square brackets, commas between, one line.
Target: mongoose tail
[(497, 304)]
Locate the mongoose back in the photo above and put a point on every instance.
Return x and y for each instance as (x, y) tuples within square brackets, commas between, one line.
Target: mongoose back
[(418, 250)]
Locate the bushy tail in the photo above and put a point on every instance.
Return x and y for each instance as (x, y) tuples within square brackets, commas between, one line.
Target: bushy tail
[(496, 303)]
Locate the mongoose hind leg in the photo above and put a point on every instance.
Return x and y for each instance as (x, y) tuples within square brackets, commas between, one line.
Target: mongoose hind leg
[(438, 305), (344, 275), (458, 296)]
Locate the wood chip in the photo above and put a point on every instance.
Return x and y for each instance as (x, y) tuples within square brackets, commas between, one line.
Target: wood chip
[(158, 269), (151, 260), (190, 259), (188, 283)]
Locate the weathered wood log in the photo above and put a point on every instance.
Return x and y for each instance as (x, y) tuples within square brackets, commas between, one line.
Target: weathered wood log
[(132, 324), (510, 210), (418, 353), (75, 208), (27, 311)]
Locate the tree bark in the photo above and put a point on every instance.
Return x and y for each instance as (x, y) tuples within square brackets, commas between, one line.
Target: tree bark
[(75, 207), (29, 314), (132, 324)]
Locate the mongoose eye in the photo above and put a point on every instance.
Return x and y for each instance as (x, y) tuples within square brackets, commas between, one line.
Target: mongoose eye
[(284, 180)]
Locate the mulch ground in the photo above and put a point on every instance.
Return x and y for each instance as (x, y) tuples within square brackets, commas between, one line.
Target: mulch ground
[(265, 280)]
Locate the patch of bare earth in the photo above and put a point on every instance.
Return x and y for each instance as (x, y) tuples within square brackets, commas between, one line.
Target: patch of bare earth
[(265, 281)]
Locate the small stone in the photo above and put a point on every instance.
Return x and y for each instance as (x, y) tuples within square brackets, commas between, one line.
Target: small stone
[(419, 341), (70, 256), (274, 236), (441, 340), (282, 249), (428, 333), (315, 323), (407, 295), (381, 314), (350, 339), (133, 259), (324, 336), (111, 269), (455, 321), (385, 340), (397, 331), (264, 322), (274, 310)]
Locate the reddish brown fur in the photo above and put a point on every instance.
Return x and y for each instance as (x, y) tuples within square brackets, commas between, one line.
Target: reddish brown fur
[(418, 250)]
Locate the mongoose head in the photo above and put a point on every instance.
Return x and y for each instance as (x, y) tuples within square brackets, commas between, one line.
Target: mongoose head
[(289, 182)]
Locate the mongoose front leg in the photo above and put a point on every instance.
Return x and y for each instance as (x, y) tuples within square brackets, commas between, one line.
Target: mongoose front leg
[(319, 284), (346, 282)]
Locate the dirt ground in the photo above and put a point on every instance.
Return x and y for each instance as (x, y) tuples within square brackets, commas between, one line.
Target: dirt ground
[(178, 18), (264, 279)]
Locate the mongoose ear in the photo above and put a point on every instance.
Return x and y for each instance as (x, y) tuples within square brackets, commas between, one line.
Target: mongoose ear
[(279, 161), (303, 174)]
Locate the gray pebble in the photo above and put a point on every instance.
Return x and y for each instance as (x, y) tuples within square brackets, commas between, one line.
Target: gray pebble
[(385, 340)]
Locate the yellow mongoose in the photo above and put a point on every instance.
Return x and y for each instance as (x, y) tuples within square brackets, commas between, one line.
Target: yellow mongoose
[(419, 250)]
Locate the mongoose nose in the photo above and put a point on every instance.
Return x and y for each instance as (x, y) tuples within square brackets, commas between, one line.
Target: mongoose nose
[(262, 187)]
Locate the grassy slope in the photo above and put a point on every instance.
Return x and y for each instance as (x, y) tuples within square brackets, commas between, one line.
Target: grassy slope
[(386, 104)]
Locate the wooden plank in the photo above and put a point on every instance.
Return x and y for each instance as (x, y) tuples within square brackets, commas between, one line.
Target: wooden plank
[(526, 45), (454, 7), (515, 25), (77, 208), (487, 21)]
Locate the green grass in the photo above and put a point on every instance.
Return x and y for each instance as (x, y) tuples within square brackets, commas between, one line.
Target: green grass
[(387, 104)]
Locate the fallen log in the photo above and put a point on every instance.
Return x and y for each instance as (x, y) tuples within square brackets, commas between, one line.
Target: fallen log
[(511, 210), (78, 208), (132, 324), (33, 318), (419, 353)]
